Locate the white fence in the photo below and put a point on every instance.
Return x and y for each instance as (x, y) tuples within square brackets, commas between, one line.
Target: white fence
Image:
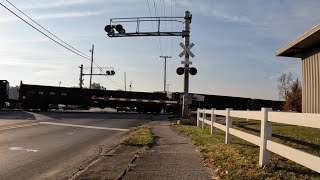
[(266, 116)]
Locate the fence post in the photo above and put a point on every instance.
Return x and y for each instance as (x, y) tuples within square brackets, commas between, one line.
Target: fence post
[(213, 120), (198, 116), (228, 125), (248, 110), (203, 117), (266, 133)]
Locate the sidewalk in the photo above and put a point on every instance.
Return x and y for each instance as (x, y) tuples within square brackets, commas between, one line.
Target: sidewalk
[(173, 157)]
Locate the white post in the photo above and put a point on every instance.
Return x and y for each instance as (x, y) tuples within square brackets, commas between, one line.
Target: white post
[(203, 117), (248, 110), (198, 116), (266, 133), (228, 125), (213, 120)]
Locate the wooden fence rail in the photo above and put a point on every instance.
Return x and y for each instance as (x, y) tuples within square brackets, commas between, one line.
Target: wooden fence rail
[(266, 116)]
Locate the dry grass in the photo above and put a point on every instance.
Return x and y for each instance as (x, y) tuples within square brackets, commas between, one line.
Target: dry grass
[(239, 160)]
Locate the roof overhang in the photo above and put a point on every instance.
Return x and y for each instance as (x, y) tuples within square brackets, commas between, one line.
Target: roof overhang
[(296, 48)]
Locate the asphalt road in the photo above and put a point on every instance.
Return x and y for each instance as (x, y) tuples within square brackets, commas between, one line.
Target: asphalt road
[(58, 144)]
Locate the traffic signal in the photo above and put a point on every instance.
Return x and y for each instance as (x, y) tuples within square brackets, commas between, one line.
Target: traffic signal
[(180, 70), (110, 29), (120, 29), (193, 71), (110, 73)]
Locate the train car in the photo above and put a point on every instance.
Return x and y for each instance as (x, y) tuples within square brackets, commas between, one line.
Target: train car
[(4, 92), (222, 102), (40, 97), (257, 104)]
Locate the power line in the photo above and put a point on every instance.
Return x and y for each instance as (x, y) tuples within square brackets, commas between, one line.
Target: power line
[(157, 40), (171, 29), (45, 29), (43, 32), (165, 27), (149, 7), (74, 49), (121, 87), (156, 14)]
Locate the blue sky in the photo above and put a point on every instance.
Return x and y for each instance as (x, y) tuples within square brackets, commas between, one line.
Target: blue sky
[(235, 44)]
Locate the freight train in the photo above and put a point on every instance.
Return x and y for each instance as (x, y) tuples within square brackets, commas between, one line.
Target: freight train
[(41, 97), (4, 92)]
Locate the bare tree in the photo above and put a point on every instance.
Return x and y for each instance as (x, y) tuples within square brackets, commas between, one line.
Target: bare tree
[(294, 97), (285, 81)]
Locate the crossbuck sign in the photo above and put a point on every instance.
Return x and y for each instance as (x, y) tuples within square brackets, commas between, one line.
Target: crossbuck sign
[(186, 50)]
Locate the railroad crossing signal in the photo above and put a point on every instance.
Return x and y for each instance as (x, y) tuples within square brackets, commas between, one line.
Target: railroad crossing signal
[(186, 50), (110, 73), (193, 71), (180, 70)]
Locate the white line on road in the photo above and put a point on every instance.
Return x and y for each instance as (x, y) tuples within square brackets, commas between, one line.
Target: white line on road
[(83, 126), (23, 149)]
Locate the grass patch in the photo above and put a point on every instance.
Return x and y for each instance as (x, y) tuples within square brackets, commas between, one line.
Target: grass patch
[(239, 160), (140, 136)]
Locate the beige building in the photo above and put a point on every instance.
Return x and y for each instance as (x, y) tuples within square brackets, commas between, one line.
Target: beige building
[(307, 48)]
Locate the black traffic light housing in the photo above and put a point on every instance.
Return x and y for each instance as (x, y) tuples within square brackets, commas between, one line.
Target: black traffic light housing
[(120, 29), (180, 70), (110, 29), (193, 71), (110, 73)]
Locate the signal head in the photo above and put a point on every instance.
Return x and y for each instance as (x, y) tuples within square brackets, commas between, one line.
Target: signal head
[(193, 71), (180, 70)]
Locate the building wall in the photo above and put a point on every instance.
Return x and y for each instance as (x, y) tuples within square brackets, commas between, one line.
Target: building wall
[(311, 81)]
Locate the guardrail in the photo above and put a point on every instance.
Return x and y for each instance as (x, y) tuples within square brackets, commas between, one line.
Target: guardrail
[(266, 116)]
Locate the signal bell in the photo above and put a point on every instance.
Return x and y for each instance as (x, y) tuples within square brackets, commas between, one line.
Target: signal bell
[(180, 70)]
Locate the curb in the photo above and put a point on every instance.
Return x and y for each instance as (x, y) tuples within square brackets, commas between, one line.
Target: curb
[(98, 158)]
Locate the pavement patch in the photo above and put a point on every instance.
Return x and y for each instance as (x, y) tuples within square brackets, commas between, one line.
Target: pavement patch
[(113, 165), (84, 126), (18, 126)]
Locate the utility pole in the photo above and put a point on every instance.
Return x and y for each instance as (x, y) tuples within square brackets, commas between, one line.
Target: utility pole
[(168, 89), (125, 81), (81, 74), (185, 108), (91, 65), (59, 83), (165, 72)]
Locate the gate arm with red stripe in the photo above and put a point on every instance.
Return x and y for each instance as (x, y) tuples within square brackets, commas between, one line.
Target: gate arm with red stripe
[(134, 100)]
